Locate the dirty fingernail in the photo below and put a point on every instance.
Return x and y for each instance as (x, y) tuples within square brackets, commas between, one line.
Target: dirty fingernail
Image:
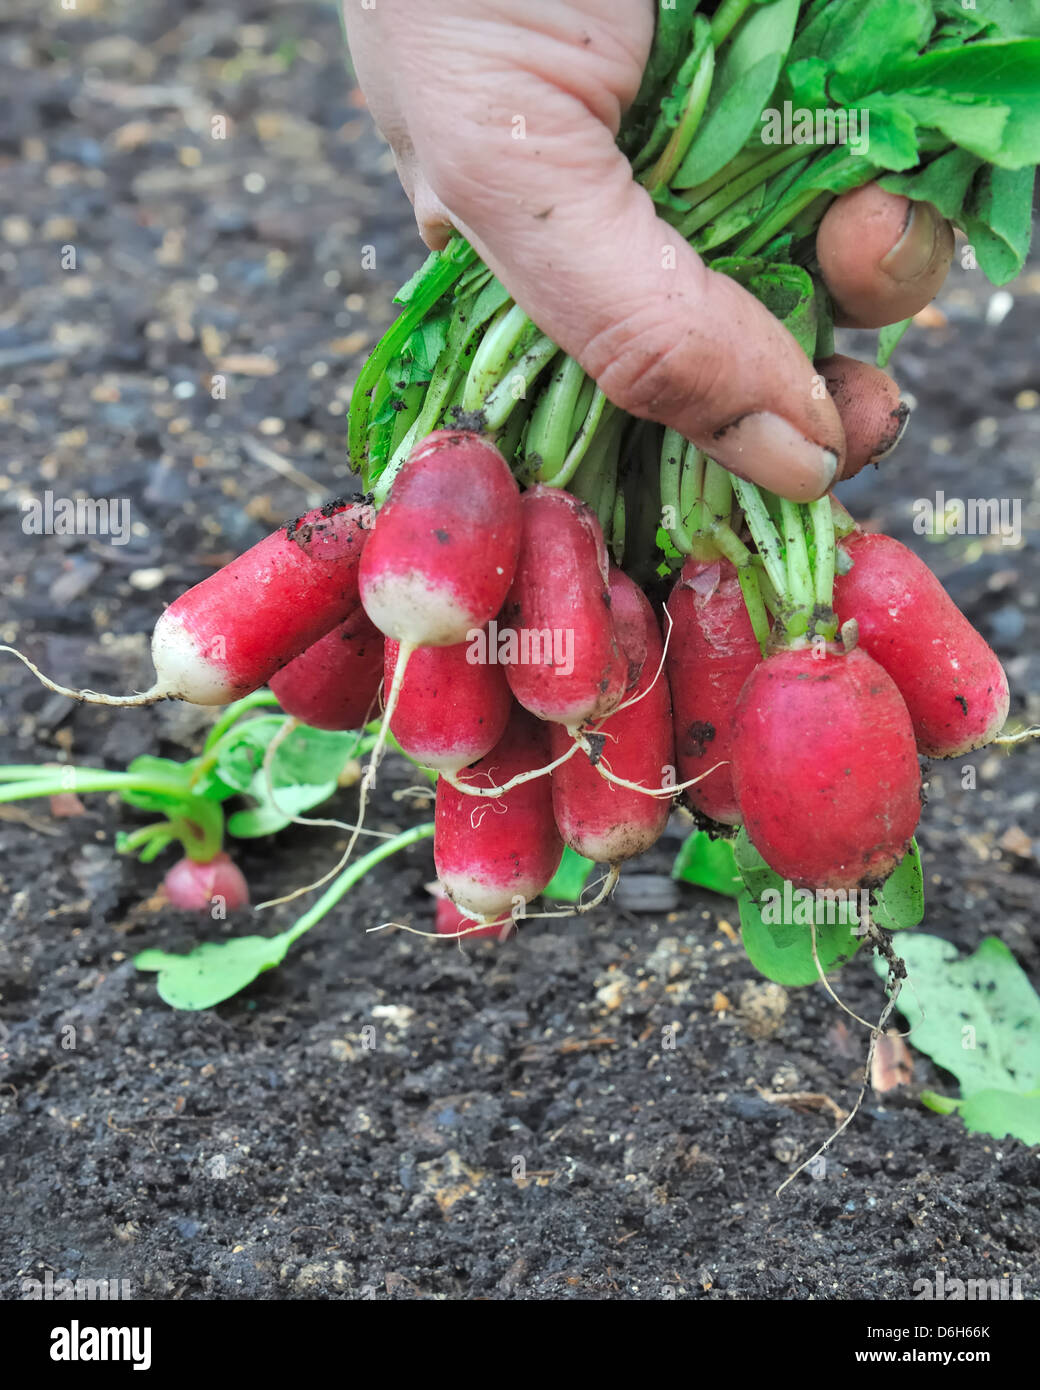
[(888, 444), (913, 252), (771, 452)]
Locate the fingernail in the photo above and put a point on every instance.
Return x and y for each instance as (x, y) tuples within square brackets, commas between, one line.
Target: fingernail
[(913, 252), (901, 418), (771, 452)]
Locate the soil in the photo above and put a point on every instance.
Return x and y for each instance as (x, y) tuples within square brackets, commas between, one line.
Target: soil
[(384, 1116)]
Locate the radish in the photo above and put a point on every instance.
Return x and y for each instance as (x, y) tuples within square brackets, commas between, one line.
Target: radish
[(194, 886), (229, 635), (451, 709), (441, 557), (567, 665), (712, 652), (491, 854), (951, 680), (825, 767), (451, 922), (334, 684), (597, 818)]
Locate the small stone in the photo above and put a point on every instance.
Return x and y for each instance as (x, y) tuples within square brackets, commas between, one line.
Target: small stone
[(146, 579)]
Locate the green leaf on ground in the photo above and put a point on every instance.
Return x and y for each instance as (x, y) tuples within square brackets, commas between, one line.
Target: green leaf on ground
[(570, 878), (977, 1017), (214, 970), (708, 863)]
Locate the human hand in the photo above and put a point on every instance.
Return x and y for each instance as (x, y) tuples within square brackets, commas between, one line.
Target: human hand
[(560, 220)]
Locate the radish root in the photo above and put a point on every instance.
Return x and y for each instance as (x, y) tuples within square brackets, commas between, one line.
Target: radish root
[(91, 697)]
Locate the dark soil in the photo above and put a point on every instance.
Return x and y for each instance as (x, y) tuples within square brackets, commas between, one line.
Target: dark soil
[(515, 1124)]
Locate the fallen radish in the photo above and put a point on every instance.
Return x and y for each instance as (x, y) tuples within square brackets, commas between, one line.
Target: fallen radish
[(712, 652), (597, 818), (197, 887), (229, 635), (451, 922), (566, 665), (451, 709), (493, 856), (334, 684), (950, 678), (825, 767)]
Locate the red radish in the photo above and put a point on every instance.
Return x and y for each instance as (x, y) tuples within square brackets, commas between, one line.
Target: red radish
[(452, 709), (567, 666), (441, 557), (711, 653), (951, 680), (451, 922), (491, 852), (230, 634), (825, 767), (335, 683), (195, 886), (597, 818)]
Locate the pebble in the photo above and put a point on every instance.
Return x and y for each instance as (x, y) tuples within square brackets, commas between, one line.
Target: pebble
[(146, 579)]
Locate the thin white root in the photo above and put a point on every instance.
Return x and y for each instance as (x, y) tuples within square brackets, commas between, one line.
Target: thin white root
[(608, 884), (368, 781), (453, 781), (1004, 740), (827, 985), (875, 1032), (91, 697), (602, 766), (660, 668)]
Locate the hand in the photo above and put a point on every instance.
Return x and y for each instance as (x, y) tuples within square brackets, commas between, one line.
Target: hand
[(577, 242)]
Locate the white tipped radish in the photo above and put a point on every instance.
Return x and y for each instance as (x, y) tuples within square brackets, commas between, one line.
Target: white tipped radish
[(452, 708), (229, 635)]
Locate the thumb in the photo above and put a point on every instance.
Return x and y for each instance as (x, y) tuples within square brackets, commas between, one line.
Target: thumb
[(557, 215)]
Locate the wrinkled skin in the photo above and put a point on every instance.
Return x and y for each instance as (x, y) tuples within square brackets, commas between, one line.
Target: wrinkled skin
[(559, 218)]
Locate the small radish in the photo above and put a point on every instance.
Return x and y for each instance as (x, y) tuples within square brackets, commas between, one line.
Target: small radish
[(196, 886), (597, 818), (490, 854), (825, 767), (452, 709), (451, 922), (712, 652), (567, 666), (951, 680), (229, 635), (335, 683)]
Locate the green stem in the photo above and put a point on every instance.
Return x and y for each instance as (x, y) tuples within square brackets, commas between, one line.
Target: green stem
[(550, 431), (142, 836), (765, 534), (775, 223), (681, 137), (735, 169), (598, 417), (491, 359), (90, 780), (736, 188), (822, 518), (21, 772), (235, 712), (726, 17), (352, 875), (502, 400), (799, 570)]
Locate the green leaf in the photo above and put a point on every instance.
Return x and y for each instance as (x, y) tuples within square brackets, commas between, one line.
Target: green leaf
[(570, 878), (782, 950), (214, 970), (744, 81), (977, 1017), (708, 863), (311, 756), (899, 902), (945, 182), (163, 770), (756, 874), (889, 338), (1000, 1113), (265, 818), (997, 218)]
